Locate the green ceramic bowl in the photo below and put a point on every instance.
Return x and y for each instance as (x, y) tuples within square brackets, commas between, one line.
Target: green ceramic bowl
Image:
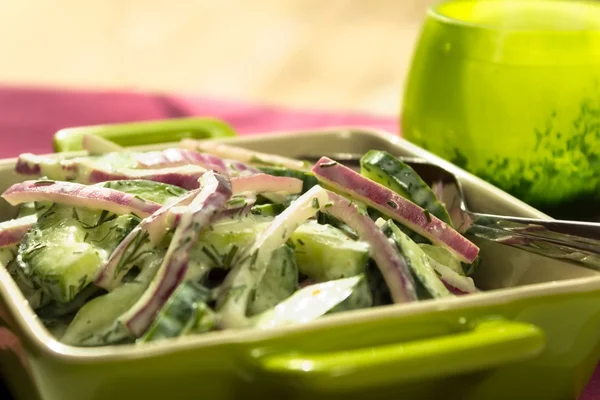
[(145, 133), (533, 334)]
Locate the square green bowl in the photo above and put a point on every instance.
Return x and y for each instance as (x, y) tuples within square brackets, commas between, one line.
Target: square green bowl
[(533, 333)]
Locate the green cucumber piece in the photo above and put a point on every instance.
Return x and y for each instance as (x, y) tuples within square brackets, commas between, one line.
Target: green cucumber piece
[(417, 260), (34, 295), (469, 269), (221, 242), (324, 252), (64, 250), (361, 297), (326, 219), (57, 309), (148, 190), (389, 171), (95, 323), (267, 210), (307, 178), (444, 257), (183, 312), (279, 282), (308, 303), (205, 321), (26, 209)]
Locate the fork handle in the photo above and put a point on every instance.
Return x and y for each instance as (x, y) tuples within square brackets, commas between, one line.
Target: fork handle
[(567, 229), (572, 240)]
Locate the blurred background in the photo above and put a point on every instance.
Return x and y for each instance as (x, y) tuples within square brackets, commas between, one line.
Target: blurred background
[(342, 55), (341, 61)]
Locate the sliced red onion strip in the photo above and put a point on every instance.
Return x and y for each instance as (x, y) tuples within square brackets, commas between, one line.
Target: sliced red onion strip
[(33, 165), (12, 232), (78, 195), (156, 225), (216, 190), (175, 157), (264, 183), (234, 211), (241, 154), (184, 176), (393, 268), (355, 185)]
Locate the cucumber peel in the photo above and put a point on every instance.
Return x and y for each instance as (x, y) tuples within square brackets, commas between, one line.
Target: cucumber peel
[(324, 252), (418, 262), (389, 171), (64, 250), (278, 283), (181, 312)]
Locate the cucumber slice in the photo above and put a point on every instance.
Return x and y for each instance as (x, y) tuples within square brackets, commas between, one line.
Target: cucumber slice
[(95, 323), (267, 210), (63, 252), (56, 309), (361, 297), (206, 319), (222, 241), (389, 171), (418, 262), (443, 256), (181, 313), (34, 294), (279, 282), (148, 190), (308, 303), (307, 178), (324, 252)]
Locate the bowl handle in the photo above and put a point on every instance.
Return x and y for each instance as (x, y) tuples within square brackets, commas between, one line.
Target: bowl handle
[(145, 133), (487, 344)]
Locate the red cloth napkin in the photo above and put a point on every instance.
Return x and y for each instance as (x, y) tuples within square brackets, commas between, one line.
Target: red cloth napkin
[(29, 117)]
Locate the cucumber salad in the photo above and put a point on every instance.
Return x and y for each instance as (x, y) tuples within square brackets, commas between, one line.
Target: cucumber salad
[(119, 246)]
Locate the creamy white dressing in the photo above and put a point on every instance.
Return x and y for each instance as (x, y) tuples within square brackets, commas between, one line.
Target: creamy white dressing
[(307, 304), (246, 275)]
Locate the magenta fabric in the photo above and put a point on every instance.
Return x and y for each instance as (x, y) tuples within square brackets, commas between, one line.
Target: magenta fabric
[(30, 116)]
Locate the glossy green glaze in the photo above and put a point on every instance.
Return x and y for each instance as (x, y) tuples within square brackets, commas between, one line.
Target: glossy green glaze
[(537, 341), (145, 133), (568, 324), (474, 346), (560, 371)]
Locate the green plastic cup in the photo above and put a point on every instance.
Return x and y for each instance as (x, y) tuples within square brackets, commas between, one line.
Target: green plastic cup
[(510, 91)]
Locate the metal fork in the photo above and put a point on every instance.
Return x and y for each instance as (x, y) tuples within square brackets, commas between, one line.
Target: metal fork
[(571, 241)]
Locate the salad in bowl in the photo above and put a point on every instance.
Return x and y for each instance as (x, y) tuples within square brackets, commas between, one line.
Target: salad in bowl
[(121, 246)]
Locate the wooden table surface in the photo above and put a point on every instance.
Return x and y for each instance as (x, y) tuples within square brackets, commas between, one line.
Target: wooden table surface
[(332, 55)]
